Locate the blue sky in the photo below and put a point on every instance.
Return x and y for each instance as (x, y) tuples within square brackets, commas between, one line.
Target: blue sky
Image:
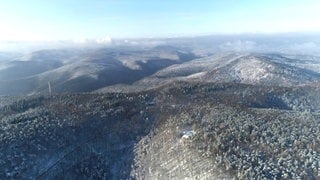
[(38, 20)]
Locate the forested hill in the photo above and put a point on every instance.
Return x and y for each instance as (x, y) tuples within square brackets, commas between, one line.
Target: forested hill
[(178, 130)]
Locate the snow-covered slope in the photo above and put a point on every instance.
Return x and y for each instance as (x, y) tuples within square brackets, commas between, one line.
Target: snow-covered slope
[(256, 69)]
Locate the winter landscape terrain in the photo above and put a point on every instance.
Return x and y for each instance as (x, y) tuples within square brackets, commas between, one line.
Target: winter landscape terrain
[(209, 107)]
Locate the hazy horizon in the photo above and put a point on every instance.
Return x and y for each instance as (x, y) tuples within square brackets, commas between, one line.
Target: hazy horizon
[(72, 20)]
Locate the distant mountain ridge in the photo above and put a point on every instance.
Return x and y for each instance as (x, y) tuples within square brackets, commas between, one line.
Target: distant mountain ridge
[(246, 68), (84, 71)]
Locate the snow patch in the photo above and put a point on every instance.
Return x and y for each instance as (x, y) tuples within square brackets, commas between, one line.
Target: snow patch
[(187, 134), (131, 65), (252, 70), (197, 75)]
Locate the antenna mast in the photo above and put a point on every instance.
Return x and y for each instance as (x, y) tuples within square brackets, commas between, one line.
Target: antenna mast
[(49, 85)]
